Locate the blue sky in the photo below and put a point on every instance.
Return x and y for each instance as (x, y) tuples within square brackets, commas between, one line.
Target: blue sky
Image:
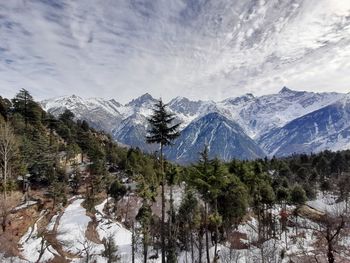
[(202, 49)]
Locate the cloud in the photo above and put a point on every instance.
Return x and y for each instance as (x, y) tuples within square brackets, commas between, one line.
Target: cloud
[(202, 49)]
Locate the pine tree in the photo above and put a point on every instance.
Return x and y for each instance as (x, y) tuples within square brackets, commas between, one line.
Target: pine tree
[(201, 182), (298, 198), (144, 217), (163, 133), (117, 191), (110, 250), (5, 106), (217, 181), (21, 103), (76, 179), (188, 220), (24, 104)]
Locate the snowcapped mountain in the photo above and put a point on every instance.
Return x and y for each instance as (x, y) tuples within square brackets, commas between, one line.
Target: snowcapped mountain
[(326, 128), (132, 131), (258, 115), (225, 139), (101, 114), (251, 126)]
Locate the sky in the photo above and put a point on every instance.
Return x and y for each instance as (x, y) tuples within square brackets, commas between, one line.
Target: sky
[(200, 49)]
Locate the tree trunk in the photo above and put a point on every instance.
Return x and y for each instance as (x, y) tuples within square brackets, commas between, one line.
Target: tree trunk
[(42, 250), (3, 223), (346, 202), (170, 240), (206, 232), (192, 252), (25, 112), (186, 248), (296, 223), (50, 138), (330, 255), (262, 253), (286, 238), (162, 229), (216, 232), (133, 243), (5, 175), (127, 209), (200, 246), (145, 246)]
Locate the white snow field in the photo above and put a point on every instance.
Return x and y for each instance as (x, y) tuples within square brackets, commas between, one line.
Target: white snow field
[(31, 244), (72, 227)]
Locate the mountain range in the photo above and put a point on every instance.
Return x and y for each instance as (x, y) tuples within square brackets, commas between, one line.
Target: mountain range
[(245, 127)]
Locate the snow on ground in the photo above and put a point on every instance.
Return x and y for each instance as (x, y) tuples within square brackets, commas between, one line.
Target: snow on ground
[(121, 236), (52, 223), (74, 222), (178, 194), (271, 249), (31, 244), (25, 205), (3, 259), (326, 203), (72, 227), (249, 228)]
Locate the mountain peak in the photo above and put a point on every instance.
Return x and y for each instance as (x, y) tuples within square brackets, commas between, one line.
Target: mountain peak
[(179, 99), (241, 99), (145, 98), (71, 99), (286, 90), (146, 95)]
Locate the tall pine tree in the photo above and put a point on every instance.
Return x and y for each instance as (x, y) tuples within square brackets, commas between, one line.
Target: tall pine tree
[(162, 132)]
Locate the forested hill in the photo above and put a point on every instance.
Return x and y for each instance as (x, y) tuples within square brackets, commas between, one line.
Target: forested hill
[(42, 141)]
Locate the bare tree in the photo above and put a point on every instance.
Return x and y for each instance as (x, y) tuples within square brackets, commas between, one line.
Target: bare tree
[(88, 248), (329, 227), (44, 244), (87, 251), (8, 150)]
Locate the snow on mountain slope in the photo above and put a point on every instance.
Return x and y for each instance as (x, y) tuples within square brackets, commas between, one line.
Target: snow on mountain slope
[(225, 139), (132, 131), (79, 105), (325, 128), (258, 117), (101, 114)]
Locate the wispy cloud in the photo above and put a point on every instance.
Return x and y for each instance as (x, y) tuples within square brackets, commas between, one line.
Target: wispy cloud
[(203, 49)]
